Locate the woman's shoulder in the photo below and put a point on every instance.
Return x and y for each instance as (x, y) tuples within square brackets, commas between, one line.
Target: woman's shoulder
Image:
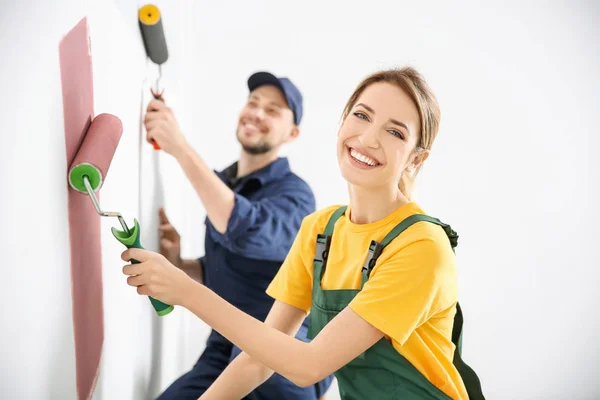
[(423, 229), (317, 221), (421, 239)]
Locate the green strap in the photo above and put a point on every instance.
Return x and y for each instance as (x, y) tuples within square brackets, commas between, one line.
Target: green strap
[(452, 236), (376, 248), (468, 375), (333, 219)]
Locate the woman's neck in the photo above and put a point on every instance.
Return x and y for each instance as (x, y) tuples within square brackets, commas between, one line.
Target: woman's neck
[(368, 205)]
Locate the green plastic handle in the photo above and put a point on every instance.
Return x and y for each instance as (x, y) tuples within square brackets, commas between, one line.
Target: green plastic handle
[(131, 240)]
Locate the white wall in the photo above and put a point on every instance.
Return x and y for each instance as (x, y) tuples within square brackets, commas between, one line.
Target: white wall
[(513, 170), (140, 356)]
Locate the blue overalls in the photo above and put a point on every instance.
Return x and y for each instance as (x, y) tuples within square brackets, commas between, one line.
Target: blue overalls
[(239, 264)]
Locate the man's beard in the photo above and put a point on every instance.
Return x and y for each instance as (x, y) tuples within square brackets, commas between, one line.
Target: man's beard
[(257, 149)]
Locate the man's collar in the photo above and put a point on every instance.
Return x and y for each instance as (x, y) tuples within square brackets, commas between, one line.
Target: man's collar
[(270, 172)]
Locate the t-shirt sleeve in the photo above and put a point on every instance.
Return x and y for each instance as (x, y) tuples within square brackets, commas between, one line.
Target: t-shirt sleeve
[(406, 289), (293, 282)]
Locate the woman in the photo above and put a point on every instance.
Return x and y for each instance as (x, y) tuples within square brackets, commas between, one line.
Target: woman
[(382, 306)]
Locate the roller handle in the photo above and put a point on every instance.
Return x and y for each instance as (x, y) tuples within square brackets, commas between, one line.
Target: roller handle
[(157, 96), (156, 146), (131, 240), (153, 36)]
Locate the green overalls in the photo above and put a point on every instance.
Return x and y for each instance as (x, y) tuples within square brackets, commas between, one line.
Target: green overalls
[(380, 373)]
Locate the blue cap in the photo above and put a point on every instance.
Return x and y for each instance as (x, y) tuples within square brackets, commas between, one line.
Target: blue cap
[(289, 90)]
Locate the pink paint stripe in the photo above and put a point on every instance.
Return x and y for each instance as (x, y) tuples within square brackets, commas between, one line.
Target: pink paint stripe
[(84, 222)]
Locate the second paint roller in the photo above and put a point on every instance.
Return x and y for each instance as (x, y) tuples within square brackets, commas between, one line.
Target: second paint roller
[(153, 35), (87, 174)]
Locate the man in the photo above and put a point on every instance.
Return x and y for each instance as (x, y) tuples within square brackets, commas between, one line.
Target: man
[(254, 210)]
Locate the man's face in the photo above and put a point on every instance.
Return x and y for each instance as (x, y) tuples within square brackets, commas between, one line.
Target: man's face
[(266, 121)]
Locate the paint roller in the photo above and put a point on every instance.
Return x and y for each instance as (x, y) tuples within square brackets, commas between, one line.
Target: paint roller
[(153, 35), (87, 174)]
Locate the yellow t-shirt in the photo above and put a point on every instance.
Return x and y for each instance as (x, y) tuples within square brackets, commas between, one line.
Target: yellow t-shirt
[(410, 296)]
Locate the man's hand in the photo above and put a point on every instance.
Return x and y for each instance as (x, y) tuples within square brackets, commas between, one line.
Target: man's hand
[(162, 127), (170, 241)]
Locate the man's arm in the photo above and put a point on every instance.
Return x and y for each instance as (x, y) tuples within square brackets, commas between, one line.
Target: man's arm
[(216, 196), (162, 127), (240, 225)]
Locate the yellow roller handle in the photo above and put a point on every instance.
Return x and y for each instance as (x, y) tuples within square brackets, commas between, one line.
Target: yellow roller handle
[(149, 14)]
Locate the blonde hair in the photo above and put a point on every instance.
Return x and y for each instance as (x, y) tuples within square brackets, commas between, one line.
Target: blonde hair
[(414, 85)]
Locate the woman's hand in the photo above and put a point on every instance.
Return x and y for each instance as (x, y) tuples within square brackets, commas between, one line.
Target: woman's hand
[(155, 276)]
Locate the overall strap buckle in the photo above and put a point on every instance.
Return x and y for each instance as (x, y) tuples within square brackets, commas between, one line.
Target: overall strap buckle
[(322, 250), (324, 239), (375, 249)]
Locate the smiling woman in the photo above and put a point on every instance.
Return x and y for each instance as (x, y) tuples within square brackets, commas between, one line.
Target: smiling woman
[(415, 122), (378, 276)]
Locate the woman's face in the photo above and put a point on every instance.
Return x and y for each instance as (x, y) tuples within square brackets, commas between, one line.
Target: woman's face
[(376, 141)]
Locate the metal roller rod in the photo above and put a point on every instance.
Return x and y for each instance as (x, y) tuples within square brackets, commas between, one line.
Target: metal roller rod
[(159, 76), (88, 186)]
